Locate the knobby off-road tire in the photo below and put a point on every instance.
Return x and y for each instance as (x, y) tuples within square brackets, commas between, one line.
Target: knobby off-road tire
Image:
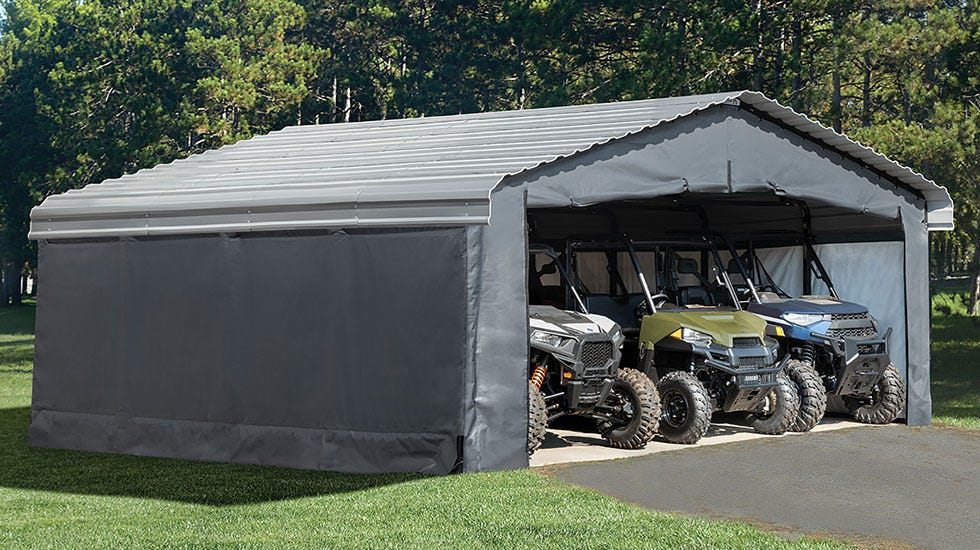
[(813, 396), (783, 407), (636, 389), (685, 408), (537, 418), (885, 402)]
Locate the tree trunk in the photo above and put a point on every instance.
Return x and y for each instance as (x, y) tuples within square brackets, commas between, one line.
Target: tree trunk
[(758, 66), (796, 60), (333, 101), (4, 300), (682, 68), (347, 106), (866, 92), (975, 295), (836, 107), (940, 253), (14, 281), (10, 281)]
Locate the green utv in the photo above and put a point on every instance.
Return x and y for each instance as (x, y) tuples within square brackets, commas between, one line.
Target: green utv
[(691, 336)]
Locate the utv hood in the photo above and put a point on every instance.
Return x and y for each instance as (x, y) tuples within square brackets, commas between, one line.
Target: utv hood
[(721, 325), (552, 319), (806, 304)]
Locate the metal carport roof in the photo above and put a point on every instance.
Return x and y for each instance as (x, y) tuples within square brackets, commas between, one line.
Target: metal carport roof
[(433, 171)]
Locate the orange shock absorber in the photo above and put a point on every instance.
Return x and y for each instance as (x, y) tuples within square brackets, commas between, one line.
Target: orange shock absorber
[(537, 377)]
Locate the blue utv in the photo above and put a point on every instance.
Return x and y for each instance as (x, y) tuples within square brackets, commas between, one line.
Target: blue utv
[(836, 348)]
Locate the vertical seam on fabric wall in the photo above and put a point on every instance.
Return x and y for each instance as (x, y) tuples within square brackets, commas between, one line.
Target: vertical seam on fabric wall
[(39, 313), (527, 311), (469, 405), (905, 312), (729, 160), (467, 370), (124, 248)]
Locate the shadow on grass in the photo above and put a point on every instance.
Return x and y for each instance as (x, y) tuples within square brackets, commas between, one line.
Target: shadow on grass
[(212, 484)]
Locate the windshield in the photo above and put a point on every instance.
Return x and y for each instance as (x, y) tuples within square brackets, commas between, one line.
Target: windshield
[(680, 274), (692, 276), (548, 281), (750, 267)]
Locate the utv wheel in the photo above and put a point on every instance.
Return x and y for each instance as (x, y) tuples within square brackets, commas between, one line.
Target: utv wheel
[(537, 418), (780, 409), (635, 400), (685, 408), (813, 396), (885, 402)]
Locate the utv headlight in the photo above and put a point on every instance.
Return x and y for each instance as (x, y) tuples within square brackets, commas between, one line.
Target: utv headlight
[(566, 345), (692, 336), (616, 334), (805, 319)]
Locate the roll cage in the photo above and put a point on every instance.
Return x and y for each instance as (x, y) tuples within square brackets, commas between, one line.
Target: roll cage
[(672, 258), (753, 270)]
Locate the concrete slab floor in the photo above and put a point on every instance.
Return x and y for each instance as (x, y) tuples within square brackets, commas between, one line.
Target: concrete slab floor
[(563, 446)]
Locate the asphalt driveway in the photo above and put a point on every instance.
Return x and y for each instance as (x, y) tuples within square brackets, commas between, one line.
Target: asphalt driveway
[(894, 483)]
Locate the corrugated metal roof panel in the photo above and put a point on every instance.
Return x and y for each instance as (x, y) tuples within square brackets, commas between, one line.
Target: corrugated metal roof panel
[(409, 172)]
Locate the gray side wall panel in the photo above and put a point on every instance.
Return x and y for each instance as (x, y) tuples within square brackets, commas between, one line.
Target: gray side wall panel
[(343, 352), (496, 416)]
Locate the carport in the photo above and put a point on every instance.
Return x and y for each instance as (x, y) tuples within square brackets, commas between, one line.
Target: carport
[(353, 296)]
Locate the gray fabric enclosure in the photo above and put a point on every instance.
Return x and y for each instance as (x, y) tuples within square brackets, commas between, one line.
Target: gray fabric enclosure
[(353, 297)]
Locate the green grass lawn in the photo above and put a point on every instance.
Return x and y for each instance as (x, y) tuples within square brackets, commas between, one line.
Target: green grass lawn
[(955, 358), (62, 499)]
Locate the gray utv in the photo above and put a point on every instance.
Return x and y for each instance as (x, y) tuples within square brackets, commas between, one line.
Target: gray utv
[(574, 368)]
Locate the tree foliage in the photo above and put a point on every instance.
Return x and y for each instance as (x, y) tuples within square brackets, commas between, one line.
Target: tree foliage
[(93, 89)]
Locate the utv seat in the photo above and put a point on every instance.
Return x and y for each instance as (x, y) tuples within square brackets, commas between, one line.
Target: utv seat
[(696, 295)]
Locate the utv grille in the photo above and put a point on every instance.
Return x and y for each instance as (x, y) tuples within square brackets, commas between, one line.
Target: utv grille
[(848, 316), (860, 332), (746, 342), (871, 349), (596, 354), (752, 362)]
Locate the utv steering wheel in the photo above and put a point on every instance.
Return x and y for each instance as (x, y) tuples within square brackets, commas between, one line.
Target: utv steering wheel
[(642, 309)]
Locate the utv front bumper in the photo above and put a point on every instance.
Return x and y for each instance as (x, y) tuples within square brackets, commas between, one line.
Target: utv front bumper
[(585, 394), (753, 372), (588, 374), (864, 362), (751, 366)]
